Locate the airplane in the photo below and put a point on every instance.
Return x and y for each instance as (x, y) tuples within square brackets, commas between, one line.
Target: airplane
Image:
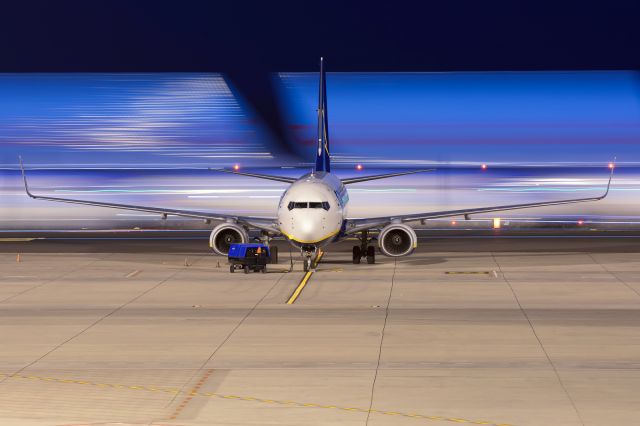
[(312, 211)]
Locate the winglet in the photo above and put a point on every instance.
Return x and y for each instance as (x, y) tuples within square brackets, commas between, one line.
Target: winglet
[(24, 178), (612, 166)]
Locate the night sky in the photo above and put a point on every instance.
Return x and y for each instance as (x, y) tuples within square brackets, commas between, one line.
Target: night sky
[(247, 41)]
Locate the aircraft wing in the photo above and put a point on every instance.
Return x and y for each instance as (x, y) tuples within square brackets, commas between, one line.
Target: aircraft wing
[(356, 225), (349, 181), (265, 223), (256, 175)]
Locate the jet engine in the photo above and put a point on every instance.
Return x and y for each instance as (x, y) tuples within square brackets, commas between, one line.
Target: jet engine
[(226, 234), (397, 240)]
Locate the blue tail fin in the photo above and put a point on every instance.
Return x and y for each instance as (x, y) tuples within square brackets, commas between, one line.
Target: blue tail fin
[(323, 161)]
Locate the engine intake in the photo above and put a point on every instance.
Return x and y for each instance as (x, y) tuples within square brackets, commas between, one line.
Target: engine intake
[(226, 234), (397, 240)]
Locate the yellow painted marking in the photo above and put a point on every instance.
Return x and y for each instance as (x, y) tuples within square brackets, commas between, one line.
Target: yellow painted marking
[(299, 289), (194, 392), (468, 272), (18, 240), (304, 281), (291, 237)]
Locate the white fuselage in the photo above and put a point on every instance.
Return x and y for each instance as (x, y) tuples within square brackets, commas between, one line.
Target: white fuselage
[(312, 210)]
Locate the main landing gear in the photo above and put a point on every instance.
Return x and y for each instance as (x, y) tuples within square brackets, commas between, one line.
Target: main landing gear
[(364, 249)]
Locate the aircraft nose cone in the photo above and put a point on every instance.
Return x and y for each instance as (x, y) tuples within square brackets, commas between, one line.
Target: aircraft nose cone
[(307, 231), (307, 227)]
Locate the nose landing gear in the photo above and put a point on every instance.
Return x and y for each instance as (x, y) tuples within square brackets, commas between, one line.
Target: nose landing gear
[(309, 253), (307, 263), (364, 249)]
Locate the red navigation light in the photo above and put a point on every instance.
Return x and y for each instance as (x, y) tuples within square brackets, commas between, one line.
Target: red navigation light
[(453, 222), (580, 222), (359, 167), (236, 167), (483, 167)]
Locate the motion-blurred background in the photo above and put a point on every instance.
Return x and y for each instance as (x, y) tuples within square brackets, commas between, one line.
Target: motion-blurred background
[(149, 139)]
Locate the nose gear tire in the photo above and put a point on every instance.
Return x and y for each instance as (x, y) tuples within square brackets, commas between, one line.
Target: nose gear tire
[(307, 264)]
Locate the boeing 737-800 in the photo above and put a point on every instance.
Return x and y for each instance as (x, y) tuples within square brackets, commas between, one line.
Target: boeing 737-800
[(312, 212)]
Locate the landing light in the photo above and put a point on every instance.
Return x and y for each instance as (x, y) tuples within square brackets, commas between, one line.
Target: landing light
[(483, 167), (611, 165), (580, 222), (236, 167), (453, 222), (359, 167)]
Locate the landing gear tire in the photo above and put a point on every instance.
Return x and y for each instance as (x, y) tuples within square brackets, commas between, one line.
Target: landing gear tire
[(371, 255), (357, 255), (307, 264), (246, 269), (232, 269), (264, 270), (274, 254)]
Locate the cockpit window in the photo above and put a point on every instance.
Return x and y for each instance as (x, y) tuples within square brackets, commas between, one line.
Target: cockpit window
[(297, 205), (311, 205)]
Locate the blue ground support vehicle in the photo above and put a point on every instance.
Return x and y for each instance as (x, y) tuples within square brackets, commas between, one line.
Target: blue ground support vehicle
[(251, 257)]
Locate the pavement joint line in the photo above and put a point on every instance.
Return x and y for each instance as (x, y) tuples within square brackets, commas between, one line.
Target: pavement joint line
[(196, 393), (93, 324), (614, 275), (193, 392), (381, 345), (228, 336), (54, 279), (525, 315), (305, 279)]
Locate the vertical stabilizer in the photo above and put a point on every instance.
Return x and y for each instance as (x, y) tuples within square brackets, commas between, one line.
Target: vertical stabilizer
[(322, 152)]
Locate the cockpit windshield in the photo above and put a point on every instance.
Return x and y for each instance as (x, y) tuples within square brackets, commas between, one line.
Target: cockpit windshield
[(308, 205)]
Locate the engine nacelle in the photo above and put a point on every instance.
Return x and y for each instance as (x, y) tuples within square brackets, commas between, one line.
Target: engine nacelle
[(226, 234), (397, 240)]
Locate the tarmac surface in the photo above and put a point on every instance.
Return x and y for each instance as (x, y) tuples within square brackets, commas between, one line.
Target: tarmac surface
[(471, 331)]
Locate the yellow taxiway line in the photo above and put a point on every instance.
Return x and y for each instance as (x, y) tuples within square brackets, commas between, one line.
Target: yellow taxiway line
[(197, 392), (305, 280)]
